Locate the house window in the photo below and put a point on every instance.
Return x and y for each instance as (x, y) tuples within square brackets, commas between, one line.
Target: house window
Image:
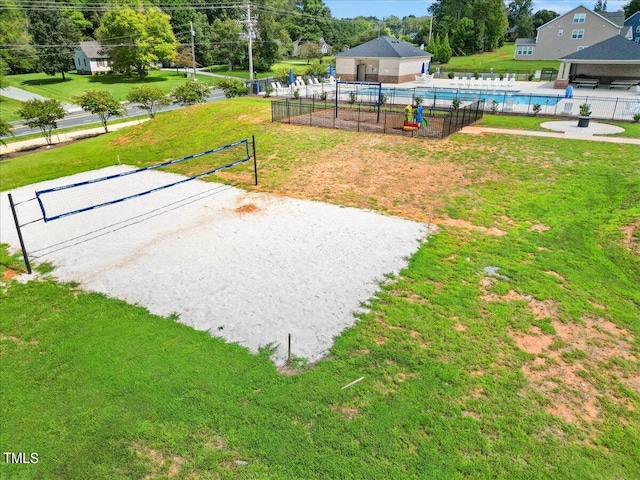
[(579, 33), (580, 48), (579, 17), (524, 51), (560, 32), (638, 29), (638, 40), (85, 62)]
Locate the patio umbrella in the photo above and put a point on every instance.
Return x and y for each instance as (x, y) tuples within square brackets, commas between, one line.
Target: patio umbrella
[(423, 69), (291, 77), (331, 69)]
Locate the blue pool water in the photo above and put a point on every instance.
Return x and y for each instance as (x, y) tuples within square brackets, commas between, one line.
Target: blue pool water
[(501, 96)]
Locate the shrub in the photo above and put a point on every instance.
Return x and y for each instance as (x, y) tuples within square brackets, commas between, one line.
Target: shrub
[(536, 109), (455, 103), (268, 91), (281, 74), (636, 118), (231, 87), (296, 93), (323, 96), (384, 99), (190, 93), (316, 69), (418, 100), (494, 106), (353, 97), (585, 110), (450, 74)]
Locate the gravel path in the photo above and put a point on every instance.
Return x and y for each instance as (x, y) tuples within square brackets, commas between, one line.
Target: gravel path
[(249, 267)]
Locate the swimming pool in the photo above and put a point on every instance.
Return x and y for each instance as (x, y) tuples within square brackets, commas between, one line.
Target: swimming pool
[(400, 95)]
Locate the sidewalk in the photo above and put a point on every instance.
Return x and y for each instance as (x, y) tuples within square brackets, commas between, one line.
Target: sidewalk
[(568, 130), (64, 137), (24, 96)]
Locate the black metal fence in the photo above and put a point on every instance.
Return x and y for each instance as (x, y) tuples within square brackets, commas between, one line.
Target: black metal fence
[(440, 121)]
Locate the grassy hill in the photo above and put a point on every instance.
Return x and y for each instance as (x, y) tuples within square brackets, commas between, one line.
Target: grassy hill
[(465, 375)]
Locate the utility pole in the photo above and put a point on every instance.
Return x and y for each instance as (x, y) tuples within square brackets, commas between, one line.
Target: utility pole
[(250, 33), (193, 50), (430, 28)]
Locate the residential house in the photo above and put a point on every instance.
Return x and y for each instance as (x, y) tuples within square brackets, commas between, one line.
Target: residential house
[(574, 31), (90, 59), (633, 22), (612, 63), (384, 59)]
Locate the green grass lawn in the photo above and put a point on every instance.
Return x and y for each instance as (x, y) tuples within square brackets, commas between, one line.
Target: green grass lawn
[(117, 84), (452, 389), (500, 60), (9, 109), (299, 67)]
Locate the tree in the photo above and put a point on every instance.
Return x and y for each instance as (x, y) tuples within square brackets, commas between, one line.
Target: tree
[(19, 56), (600, 6), (190, 93), (148, 98), (5, 130), (43, 114), (445, 50), (632, 7), (544, 16), (137, 39), (101, 103), (224, 50), (56, 32), (521, 17), (310, 50)]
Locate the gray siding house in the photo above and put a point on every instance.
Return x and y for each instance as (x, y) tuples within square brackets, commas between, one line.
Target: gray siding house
[(384, 59), (90, 60), (574, 31), (633, 22)]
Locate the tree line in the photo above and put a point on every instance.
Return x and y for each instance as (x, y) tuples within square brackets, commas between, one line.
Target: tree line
[(42, 35)]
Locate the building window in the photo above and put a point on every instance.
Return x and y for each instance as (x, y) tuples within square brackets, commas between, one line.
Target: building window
[(638, 29), (580, 48), (638, 40), (577, 33), (524, 51), (560, 32), (579, 17)]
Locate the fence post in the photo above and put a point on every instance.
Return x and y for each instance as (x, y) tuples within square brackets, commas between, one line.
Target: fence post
[(15, 219)]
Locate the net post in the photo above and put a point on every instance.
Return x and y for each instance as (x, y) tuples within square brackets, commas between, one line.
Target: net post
[(255, 161), (24, 250)]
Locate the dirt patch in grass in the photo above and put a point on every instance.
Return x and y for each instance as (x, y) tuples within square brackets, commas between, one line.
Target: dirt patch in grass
[(18, 341), (8, 274), (158, 463), (469, 226), (631, 240), (538, 228), (564, 362), (382, 173)]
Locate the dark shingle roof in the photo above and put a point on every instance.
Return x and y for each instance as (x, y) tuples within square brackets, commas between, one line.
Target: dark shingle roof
[(93, 49), (525, 41), (616, 48), (614, 17), (385, 47)]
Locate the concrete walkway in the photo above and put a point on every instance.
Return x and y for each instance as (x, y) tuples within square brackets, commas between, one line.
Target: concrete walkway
[(594, 132), (24, 96), (64, 137)]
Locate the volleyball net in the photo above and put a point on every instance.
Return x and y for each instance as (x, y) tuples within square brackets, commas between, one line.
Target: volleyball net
[(66, 200)]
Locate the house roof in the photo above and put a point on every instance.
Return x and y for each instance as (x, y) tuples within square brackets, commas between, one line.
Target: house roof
[(93, 49), (385, 47), (614, 17), (525, 41), (616, 49)]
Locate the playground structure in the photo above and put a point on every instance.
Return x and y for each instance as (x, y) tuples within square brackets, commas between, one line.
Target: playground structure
[(413, 118)]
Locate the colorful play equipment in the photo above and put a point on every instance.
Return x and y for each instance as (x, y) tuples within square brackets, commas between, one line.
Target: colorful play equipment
[(413, 118)]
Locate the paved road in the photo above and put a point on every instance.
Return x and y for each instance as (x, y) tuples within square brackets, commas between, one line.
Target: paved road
[(78, 118)]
